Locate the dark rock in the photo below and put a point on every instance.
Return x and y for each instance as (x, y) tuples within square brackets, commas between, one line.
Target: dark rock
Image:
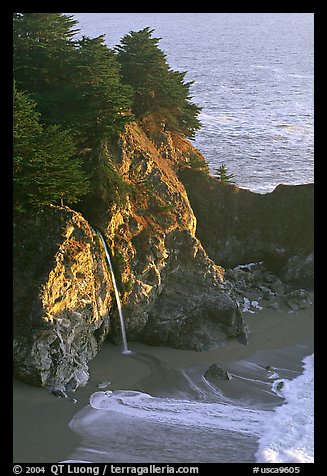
[(277, 287), (243, 338), (188, 307), (298, 271), (57, 392), (218, 373), (249, 284), (236, 226), (72, 385), (201, 321), (280, 385), (299, 299)]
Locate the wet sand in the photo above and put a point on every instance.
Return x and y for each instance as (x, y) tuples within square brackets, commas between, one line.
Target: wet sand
[(41, 421)]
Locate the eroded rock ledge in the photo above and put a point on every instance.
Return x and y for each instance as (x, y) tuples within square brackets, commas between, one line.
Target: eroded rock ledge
[(62, 298), (237, 226)]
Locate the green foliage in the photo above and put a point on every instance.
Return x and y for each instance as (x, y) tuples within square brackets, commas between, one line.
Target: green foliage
[(157, 89), (45, 169), (78, 96), (105, 103), (118, 264), (44, 55), (196, 164), (106, 181), (76, 83), (128, 285), (222, 174)]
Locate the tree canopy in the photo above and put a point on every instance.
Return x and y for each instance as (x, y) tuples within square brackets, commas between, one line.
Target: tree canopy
[(76, 83), (157, 88), (46, 169), (74, 95)]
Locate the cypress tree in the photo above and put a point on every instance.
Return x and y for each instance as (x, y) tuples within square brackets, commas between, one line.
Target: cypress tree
[(45, 169), (75, 83), (44, 55), (157, 89), (105, 103)]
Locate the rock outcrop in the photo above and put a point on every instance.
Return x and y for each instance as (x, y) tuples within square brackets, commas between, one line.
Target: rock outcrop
[(215, 372), (237, 226), (62, 298), (299, 299), (173, 293)]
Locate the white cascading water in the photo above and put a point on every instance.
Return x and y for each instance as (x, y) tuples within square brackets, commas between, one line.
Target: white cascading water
[(121, 318)]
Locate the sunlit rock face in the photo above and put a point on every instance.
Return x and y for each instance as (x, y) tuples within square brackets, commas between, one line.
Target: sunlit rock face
[(62, 298), (171, 290), (172, 293)]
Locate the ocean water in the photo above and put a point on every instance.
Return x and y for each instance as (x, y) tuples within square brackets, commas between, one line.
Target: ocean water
[(253, 77), (287, 436), (245, 420)]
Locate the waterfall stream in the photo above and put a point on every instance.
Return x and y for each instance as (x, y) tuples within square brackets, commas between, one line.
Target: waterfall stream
[(121, 317)]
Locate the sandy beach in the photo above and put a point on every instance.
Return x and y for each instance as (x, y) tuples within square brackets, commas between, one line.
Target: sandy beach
[(41, 421)]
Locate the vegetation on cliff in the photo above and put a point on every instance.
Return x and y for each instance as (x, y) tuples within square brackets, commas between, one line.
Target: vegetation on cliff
[(157, 89), (46, 169), (73, 98), (222, 174)]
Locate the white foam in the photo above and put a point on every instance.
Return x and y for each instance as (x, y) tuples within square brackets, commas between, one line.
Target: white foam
[(113, 420), (287, 433), (256, 305), (182, 412), (100, 400), (246, 305)]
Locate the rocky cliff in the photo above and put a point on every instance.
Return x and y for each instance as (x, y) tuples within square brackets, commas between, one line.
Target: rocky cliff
[(62, 298), (239, 226), (172, 292)]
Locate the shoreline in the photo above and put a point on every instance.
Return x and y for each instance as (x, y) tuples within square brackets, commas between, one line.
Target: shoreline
[(41, 421)]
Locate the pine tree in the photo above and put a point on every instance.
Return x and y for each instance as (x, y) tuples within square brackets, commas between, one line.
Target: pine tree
[(105, 103), (75, 83), (157, 89), (143, 65), (222, 174), (44, 55), (45, 170)]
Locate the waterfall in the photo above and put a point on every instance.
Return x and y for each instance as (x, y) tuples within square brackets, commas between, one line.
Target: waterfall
[(121, 318)]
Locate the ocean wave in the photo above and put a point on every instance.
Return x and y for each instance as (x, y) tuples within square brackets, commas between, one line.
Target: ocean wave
[(294, 127), (208, 118), (287, 435), (240, 414), (182, 412)]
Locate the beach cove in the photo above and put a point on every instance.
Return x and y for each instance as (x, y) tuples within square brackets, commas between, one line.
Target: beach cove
[(276, 339)]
